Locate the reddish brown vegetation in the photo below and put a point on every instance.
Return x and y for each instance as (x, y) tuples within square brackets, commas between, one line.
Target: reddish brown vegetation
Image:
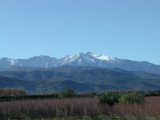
[(78, 108), (150, 107), (50, 108), (152, 100)]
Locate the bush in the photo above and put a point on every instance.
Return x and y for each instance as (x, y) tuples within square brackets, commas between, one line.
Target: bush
[(111, 98), (131, 98)]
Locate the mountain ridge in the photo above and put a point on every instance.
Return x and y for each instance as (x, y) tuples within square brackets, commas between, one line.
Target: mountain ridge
[(80, 59), (80, 79)]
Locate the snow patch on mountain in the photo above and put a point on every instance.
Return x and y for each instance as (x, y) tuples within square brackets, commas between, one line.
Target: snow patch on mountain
[(102, 57), (12, 62)]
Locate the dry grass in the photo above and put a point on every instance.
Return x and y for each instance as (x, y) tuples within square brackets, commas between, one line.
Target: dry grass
[(50, 108), (78, 108)]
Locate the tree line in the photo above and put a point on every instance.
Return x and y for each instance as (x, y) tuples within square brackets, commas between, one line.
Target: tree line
[(106, 97)]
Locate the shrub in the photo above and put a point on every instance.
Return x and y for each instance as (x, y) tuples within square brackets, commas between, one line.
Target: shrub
[(131, 98)]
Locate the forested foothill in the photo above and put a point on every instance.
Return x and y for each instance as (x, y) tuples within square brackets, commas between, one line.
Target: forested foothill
[(68, 105), (87, 78)]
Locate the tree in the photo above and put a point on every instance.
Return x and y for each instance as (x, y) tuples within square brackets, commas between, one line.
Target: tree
[(108, 98), (12, 92), (67, 93)]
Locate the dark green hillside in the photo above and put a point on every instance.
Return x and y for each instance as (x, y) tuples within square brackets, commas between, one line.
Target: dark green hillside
[(43, 86), (97, 76), (100, 76), (57, 86), (71, 69), (30, 73), (80, 79), (98, 87), (34, 75), (145, 75), (14, 83)]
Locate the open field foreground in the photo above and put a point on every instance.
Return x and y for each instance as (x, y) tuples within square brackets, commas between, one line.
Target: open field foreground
[(79, 109)]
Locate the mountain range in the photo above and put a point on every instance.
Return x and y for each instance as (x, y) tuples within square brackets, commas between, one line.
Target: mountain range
[(80, 79), (79, 59), (82, 72)]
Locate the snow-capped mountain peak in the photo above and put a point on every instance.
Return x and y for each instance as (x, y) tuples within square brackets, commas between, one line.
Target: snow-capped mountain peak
[(80, 59), (99, 56)]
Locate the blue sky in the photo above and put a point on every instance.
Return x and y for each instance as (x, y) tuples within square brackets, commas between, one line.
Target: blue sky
[(119, 28)]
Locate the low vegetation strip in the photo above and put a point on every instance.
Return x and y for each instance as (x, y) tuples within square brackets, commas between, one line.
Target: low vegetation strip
[(120, 105), (77, 108)]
